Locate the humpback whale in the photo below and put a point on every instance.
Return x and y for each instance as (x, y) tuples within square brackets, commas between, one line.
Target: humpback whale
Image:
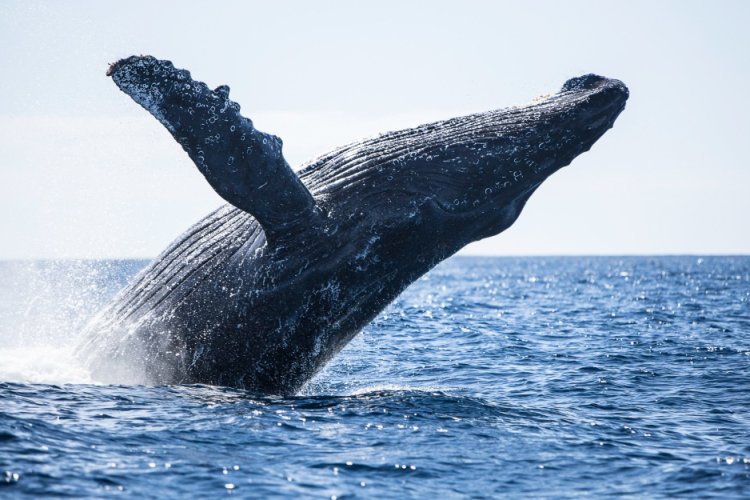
[(264, 291)]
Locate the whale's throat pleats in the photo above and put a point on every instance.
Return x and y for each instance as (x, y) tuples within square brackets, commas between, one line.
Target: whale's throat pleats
[(243, 165)]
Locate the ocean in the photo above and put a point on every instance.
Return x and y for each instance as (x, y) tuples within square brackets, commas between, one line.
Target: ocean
[(547, 377)]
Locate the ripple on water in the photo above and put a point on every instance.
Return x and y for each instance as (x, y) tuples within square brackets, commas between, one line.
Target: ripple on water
[(490, 377)]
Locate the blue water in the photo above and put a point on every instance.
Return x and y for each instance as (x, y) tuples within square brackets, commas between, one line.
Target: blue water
[(543, 377)]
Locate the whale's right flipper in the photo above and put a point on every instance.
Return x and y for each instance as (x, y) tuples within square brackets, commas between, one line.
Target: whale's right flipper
[(243, 165)]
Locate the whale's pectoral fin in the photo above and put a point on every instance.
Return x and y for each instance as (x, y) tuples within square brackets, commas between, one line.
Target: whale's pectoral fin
[(245, 166)]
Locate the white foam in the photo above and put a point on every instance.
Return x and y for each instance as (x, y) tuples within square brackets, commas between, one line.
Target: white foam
[(42, 365)]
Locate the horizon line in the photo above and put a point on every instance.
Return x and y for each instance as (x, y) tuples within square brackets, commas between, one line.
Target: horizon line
[(459, 256)]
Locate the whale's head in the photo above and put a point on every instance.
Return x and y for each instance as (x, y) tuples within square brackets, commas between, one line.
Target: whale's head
[(511, 152), (472, 174)]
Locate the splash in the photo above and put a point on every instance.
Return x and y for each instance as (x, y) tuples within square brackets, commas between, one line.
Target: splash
[(43, 308), (42, 365)]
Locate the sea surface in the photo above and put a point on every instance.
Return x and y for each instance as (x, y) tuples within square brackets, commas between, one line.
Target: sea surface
[(489, 377)]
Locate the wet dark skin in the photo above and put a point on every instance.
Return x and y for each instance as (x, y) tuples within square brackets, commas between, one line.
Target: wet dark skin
[(263, 292)]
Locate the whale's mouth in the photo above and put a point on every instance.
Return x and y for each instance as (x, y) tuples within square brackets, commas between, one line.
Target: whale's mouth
[(535, 141), (471, 165)]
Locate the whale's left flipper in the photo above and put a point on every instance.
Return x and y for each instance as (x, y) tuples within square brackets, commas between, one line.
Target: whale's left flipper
[(243, 165)]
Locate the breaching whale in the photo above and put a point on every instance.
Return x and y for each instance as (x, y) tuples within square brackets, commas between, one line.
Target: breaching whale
[(265, 290)]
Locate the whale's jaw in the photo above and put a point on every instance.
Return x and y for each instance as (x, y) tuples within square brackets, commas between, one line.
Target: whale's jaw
[(476, 170)]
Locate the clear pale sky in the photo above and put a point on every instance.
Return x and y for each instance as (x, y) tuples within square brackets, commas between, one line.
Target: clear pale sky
[(85, 172)]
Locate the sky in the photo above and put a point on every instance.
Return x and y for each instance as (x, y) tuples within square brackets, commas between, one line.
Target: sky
[(86, 173)]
